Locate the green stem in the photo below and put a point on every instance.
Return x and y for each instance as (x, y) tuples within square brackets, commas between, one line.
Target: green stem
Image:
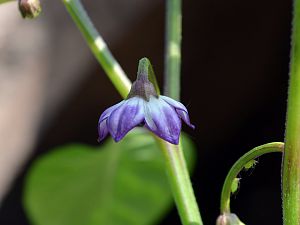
[(173, 49), (240, 165), (291, 158), (98, 47), (180, 183), (176, 167)]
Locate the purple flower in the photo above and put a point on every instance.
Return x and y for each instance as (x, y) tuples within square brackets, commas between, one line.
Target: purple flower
[(143, 107), (160, 115)]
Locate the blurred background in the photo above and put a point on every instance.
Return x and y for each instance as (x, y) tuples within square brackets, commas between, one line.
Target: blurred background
[(234, 84)]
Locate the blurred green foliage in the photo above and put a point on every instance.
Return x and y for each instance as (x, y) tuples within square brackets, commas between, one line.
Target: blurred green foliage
[(114, 184)]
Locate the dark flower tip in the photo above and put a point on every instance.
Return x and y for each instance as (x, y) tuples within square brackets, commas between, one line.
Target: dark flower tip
[(30, 8)]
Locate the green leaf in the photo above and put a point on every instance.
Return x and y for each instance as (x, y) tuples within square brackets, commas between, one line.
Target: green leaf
[(114, 184)]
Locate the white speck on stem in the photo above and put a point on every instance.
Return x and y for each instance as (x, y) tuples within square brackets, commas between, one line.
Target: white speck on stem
[(174, 50), (99, 42)]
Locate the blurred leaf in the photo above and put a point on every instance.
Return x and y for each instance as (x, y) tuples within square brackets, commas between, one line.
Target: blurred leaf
[(115, 184)]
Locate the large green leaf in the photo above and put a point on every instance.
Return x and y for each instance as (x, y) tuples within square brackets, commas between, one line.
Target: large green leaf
[(115, 184)]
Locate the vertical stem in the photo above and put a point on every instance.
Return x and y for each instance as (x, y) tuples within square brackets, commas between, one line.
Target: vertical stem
[(98, 47), (173, 49), (291, 159), (180, 184), (175, 163)]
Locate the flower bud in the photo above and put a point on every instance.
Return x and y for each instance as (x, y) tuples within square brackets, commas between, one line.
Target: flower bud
[(30, 8), (228, 219)]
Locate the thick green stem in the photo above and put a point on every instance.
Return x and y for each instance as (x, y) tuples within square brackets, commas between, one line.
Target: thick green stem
[(173, 49), (240, 164), (180, 183), (291, 159), (98, 47)]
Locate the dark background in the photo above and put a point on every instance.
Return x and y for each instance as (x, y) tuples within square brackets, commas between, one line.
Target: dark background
[(234, 83)]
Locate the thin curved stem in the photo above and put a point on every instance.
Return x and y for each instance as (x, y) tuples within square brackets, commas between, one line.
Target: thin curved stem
[(98, 47), (240, 164)]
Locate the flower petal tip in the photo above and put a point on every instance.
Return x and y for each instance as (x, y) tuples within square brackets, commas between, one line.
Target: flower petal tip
[(118, 138), (192, 126), (175, 142)]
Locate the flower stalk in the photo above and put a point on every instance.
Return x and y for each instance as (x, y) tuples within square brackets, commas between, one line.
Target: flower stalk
[(291, 158), (180, 183)]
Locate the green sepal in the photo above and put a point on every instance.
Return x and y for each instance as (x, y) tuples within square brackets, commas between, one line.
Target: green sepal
[(146, 68)]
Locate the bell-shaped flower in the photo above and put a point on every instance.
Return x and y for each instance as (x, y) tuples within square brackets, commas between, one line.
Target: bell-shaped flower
[(143, 107)]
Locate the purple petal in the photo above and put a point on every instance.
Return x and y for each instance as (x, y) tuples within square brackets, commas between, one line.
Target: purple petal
[(108, 111), (125, 118), (102, 123), (185, 117), (162, 120), (180, 109), (102, 129)]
